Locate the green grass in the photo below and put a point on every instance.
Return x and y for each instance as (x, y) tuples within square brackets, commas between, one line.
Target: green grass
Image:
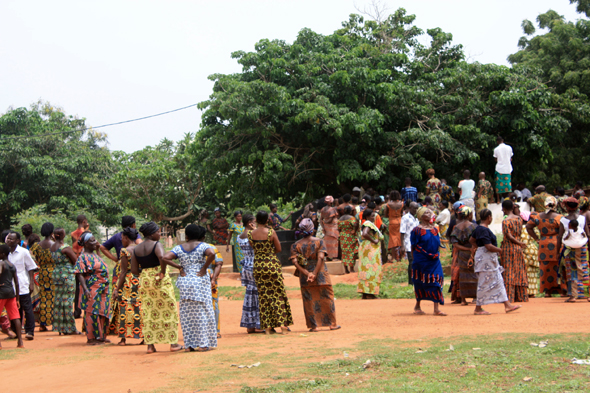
[(501, 364)]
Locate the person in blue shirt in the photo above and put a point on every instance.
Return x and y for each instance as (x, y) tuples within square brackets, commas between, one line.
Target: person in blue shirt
[(409, 193), (116, 242)]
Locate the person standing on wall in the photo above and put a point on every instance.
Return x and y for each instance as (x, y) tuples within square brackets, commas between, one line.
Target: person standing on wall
[(503, 155)]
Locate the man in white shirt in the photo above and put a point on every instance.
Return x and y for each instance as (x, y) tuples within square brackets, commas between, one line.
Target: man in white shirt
[(503, 154), (466, 187), (407, 225), (25, 265), (444, 218)]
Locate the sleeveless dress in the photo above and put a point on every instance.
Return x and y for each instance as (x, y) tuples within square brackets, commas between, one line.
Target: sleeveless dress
[(128, 322), (275, 310), (250, 311), (395, 219), (197, 318), (64, 283), (158, 302), (46, 265)]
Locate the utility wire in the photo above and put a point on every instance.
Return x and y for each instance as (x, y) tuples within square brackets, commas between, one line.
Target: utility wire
[(88, 128)]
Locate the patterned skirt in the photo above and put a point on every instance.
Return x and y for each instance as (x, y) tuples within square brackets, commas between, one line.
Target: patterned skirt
[(503, 183), (197, 320), (129, 323), (63, 300), (318, 299), (370, 272), (46, 289), (158, 308), (575, 264), (275, 310), (250, 312), (490, 284)]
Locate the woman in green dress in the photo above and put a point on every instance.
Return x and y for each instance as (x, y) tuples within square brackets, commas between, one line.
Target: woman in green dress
[(370, 257), (235, 229), (64, 282)]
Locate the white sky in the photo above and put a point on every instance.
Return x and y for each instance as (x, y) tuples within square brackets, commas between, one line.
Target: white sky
[(111, 61)]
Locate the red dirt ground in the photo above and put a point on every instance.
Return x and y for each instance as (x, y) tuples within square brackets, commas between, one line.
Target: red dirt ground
[(65, 364)]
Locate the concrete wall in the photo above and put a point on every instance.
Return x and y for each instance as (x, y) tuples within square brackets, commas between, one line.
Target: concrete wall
[(497, 215)]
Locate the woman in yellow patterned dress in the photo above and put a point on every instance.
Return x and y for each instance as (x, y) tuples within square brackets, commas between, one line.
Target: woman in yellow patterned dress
[(370, 257), (348, 229), (42, 255), (126, 321), (158, 301), (433, 187), (275, 310)]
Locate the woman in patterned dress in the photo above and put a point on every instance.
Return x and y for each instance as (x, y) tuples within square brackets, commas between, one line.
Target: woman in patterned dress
[(42, 255), (197, 317), (235, 229), (275, 310), (426, 268), (205, 221), (329, 224), (490, 284), (93, 276), (158, 301), (348, 229), (485, 192), (394, 210), (460, 238), (512, 257), (433, 187), (250, 312), (126, 321), (370, 273), (220, 227), (308, 255), (64, 282)]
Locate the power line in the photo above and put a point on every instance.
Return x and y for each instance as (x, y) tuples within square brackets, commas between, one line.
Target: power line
[(102, 126)]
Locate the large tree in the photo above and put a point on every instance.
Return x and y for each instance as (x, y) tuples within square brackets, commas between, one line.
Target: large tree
[(50, 158), (158, 182), (561, 57), (368, 104)]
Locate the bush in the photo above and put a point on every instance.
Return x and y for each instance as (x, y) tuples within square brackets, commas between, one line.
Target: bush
[(38, 215)]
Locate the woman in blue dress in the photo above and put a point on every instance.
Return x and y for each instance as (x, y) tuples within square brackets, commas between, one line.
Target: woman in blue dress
[(197, 318), (427, 272), (250, 312)]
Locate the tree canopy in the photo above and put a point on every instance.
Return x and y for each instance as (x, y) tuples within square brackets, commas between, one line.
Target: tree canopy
[(369, 104), (64, 172)]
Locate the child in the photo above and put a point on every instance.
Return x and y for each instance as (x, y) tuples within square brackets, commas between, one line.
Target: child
[(8, 297), (575, 237)]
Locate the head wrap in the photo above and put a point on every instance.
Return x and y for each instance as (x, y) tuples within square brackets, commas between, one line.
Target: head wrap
[(356, 189), (216, 209), (550, 203), (421, 212), (127, 221), (465, 211), (84, 238), (584, 202), (131, 233), (525, 216), (149, 228), (457, 205), (329, 199), (306, 226)]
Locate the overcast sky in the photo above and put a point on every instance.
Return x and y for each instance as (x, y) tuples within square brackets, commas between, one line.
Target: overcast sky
[(109, 61)]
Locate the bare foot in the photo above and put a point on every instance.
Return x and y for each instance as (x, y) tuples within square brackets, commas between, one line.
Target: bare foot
[(482, 312), (284, 330), (151, 349), (419, 312), (440, 313), (571, 299), (122, 343), (314, 330), (176, 348)]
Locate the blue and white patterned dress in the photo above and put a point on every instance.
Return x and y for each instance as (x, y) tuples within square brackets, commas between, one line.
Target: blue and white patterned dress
[(197, 318), (250, 311)]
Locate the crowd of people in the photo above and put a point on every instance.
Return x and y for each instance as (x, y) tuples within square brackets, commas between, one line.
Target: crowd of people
[(364, 230)]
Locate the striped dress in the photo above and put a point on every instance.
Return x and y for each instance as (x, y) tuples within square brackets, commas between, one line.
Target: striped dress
[(512, 260)]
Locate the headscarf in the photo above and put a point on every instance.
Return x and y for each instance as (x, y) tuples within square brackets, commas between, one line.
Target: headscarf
[(329, 199), (457, 205), (308, 211), (149, 228), (421, 212), (306, 227), (465, 211), (84, 238), (525, 216), (584, 202), (550, 203)]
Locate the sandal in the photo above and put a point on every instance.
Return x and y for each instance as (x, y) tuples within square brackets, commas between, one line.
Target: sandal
[(176, 349), (570, 300), (335, 328), (203, 349), (513, 309), (419, 312), (440, 314)]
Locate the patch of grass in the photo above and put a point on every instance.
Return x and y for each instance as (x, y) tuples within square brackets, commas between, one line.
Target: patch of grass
[(232, 293), (487, 364)]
